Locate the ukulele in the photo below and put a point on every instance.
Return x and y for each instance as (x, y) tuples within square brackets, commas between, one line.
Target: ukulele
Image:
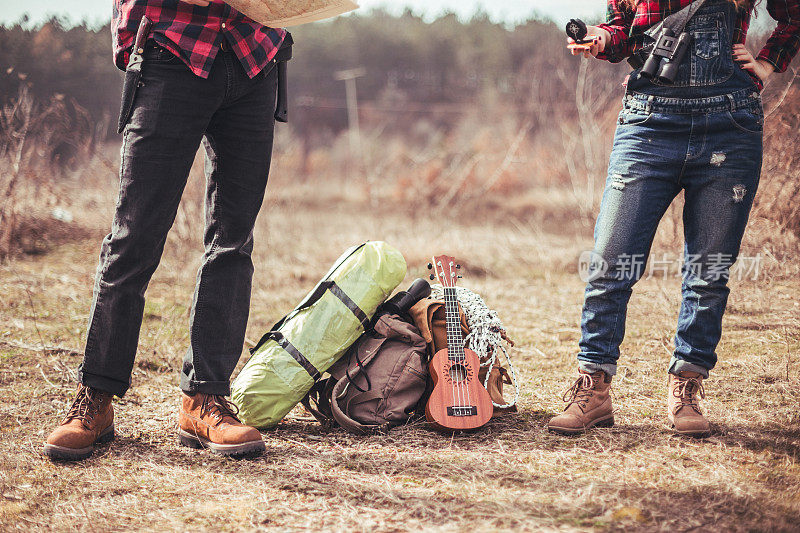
[(458, 400)]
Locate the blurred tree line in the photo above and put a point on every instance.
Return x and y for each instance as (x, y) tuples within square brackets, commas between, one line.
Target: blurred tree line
[(414, 68), (54, 60), (458, 102)]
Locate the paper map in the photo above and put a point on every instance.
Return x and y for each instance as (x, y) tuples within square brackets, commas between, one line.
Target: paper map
[(283, 14)]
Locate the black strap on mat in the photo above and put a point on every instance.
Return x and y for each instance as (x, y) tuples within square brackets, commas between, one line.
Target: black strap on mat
[(295, 353), (351, 305), (322, 288)]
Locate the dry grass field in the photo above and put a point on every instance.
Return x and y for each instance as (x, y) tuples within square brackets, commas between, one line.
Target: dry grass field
[(511, 475)]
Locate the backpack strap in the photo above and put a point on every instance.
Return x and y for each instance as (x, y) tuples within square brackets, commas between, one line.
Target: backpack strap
[(363, 352), (340, 415), (365, 349), (317, 402)]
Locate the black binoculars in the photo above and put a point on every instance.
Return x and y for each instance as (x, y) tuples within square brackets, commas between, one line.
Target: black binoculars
[(668, 52)]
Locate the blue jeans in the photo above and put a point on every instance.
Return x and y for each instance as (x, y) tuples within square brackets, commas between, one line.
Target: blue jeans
[(711, 149), (173, 111), (701, 135)]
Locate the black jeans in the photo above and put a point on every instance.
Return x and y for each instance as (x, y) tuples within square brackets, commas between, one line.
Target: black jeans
[(173, 111)]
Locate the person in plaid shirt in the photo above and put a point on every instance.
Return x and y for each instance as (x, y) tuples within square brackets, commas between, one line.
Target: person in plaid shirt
[(700, 135), (208, 76)]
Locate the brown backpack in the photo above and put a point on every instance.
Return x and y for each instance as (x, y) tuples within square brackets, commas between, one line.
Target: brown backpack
[(429, 316), (378, 384)]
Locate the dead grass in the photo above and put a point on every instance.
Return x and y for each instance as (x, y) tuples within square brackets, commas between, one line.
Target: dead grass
[(512, 475)]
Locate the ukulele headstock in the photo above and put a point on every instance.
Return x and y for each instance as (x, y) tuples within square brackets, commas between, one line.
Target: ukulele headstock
[(446, 270)]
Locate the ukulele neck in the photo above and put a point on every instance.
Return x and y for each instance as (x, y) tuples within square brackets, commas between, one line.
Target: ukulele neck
[(455, 342)]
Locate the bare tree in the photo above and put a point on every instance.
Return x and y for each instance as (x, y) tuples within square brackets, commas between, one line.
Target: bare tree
[(15, 122)]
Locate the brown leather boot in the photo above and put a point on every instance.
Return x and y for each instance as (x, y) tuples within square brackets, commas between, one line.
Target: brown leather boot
[(209, 421), (90, 420), (589, 405), (683, 408)]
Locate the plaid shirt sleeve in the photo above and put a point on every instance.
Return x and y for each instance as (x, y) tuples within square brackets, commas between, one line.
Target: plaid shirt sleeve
[(784, 42), (619, 19)]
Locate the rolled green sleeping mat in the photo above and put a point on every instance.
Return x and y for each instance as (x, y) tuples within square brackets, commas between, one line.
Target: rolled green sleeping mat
[(288, 360)]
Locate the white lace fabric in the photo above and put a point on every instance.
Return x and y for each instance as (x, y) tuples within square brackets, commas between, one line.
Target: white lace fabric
[(486, 334)]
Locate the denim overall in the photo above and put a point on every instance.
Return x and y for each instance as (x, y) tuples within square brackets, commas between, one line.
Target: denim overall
[(701, 135)]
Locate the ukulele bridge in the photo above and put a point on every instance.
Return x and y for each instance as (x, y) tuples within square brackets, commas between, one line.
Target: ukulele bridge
[(462, 410)]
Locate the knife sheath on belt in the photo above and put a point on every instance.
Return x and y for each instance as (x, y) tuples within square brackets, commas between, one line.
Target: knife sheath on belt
[(133, 72)]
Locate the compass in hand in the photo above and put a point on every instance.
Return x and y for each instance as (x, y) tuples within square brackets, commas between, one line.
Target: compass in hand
[(576, 30)]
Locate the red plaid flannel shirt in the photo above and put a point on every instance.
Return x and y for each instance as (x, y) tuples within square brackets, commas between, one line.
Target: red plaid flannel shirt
[(627, 28), (195, 33)]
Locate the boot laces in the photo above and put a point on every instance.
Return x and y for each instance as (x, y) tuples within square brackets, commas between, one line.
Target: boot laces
[(687, 390), (85, 405), (219, 407), (581, 391)]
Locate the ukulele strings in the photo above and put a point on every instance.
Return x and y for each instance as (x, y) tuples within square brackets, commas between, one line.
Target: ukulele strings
[(461, 351), (451, 353), (459, 356), (450, 338)]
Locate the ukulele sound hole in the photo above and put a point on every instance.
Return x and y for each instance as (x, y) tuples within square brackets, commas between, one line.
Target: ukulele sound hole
[(458, 373)]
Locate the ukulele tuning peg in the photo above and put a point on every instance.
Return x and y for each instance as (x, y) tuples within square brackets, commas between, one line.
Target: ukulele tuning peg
[(458, 266), (433, 277), (430, 266), (459, 277)]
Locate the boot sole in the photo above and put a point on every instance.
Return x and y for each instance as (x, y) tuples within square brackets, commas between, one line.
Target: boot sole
[(228, 450), (605, 422), (694, 434), (61, 453)]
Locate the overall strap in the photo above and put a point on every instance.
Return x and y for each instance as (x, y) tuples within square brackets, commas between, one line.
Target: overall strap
[(677, 21)]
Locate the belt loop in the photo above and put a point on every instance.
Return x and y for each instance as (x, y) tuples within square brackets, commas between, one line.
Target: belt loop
[(649, 106), (731, 101)]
